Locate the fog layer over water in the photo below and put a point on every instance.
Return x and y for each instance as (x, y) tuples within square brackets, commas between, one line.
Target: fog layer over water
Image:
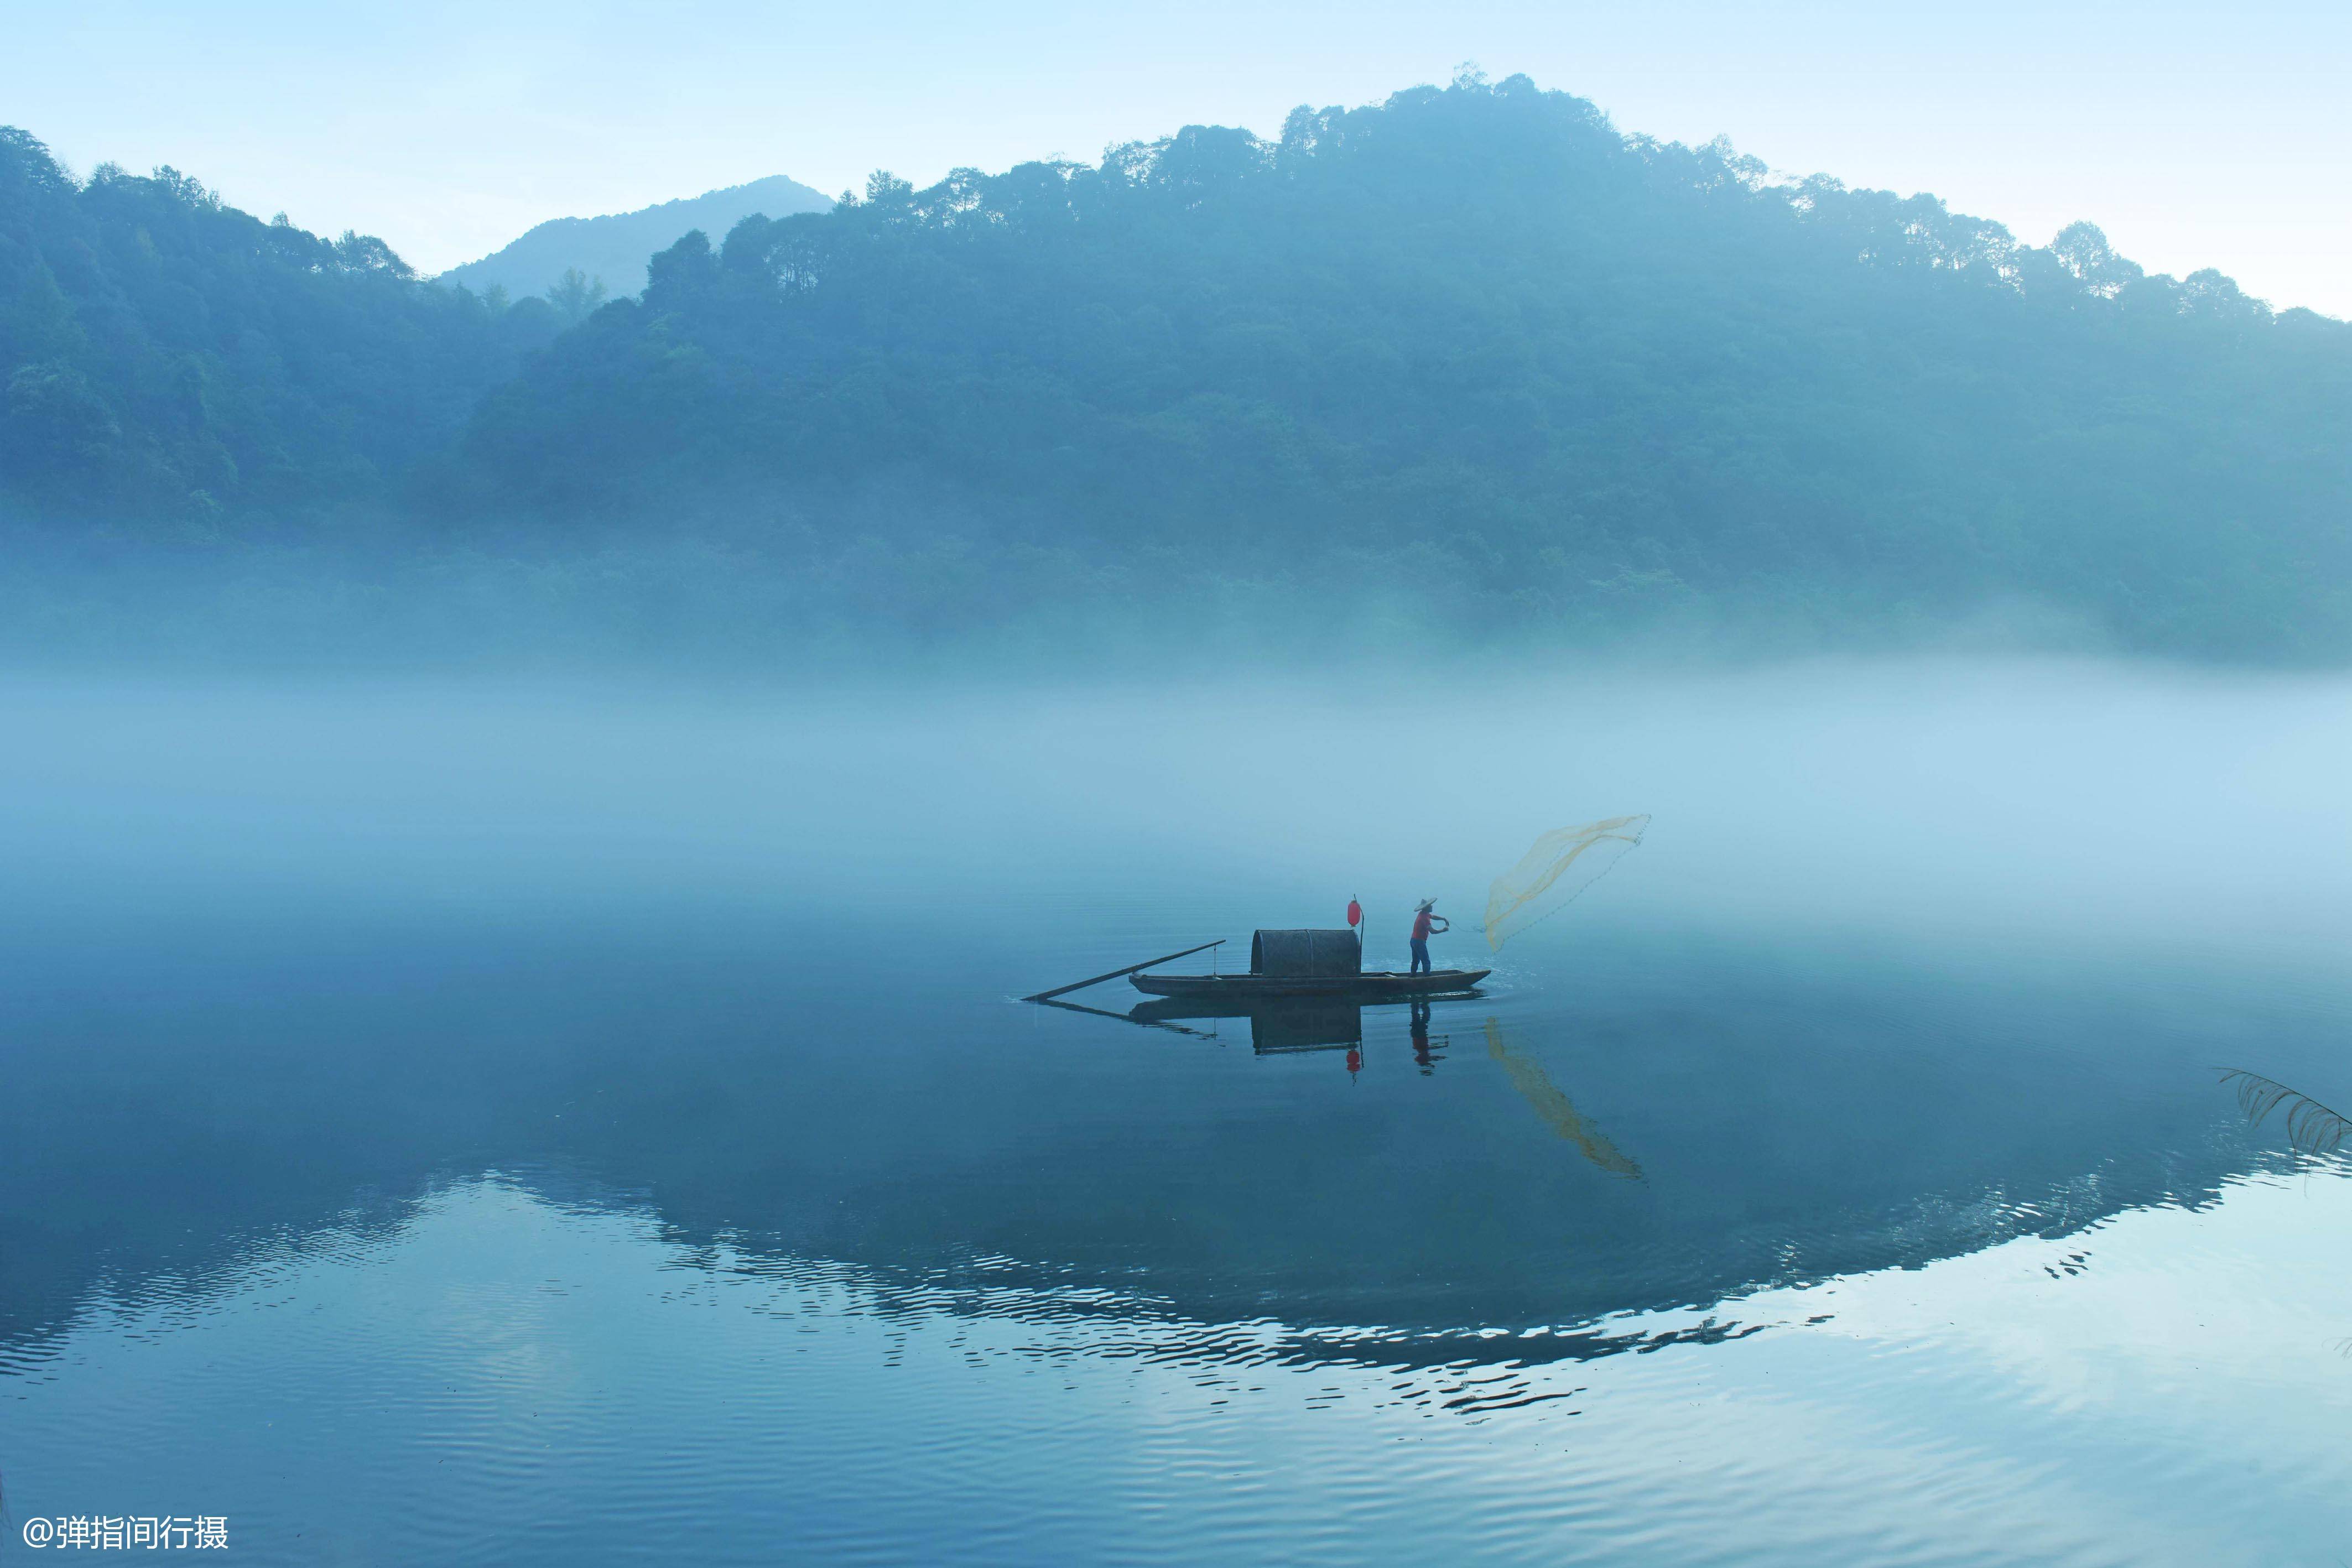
[(2080, 802), (406, 1006)]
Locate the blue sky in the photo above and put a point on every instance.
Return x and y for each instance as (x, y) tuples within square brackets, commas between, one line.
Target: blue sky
[(2196, 135)]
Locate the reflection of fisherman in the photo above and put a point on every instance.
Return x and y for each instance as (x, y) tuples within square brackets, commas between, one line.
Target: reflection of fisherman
[(1423, 927), (1421, 1037)]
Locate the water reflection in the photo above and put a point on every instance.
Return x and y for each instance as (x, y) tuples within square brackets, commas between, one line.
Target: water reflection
[(1426, 1054), (1558, 1112), (1278, 1027), (1683, 1122), (1275, 1026), (334, 1081), (387, 1401)]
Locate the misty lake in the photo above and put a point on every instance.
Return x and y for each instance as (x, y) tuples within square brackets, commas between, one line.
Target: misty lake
[(492, 1123)]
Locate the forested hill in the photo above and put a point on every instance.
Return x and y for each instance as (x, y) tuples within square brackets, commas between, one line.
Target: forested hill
[(1475, 346), (165, 357)]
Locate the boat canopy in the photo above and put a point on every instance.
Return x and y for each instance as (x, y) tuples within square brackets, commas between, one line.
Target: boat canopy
[(1301, 955)]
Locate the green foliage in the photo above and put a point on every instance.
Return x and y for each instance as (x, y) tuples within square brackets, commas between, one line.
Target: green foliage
[(1546, 369), (575, 295), (162, 354)]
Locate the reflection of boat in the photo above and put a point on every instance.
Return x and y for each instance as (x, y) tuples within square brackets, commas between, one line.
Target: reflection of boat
[(1307, 963), (1324, 1023), (1310, 1023)]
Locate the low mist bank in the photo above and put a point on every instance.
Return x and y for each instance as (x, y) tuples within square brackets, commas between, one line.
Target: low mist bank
[(2056, 805), (846, 596)]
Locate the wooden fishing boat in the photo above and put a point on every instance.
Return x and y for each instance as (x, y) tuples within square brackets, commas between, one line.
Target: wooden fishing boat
[(1327, 963), (1307, 963), (1241, 989)]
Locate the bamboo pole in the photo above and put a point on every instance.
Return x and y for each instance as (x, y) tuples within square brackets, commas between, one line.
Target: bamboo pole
[(1115, 974)]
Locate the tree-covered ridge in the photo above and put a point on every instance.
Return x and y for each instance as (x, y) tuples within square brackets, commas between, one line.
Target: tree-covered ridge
[(161, 353), (613, 249), (1474, 343)]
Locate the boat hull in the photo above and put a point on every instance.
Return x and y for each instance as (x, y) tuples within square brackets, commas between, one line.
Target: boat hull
[(1246, 987)]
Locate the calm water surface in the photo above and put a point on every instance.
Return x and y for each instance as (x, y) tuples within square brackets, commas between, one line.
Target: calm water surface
[(462, 1125)]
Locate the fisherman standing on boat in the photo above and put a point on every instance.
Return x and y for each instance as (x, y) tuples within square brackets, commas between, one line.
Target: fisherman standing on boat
[(1424, 924)]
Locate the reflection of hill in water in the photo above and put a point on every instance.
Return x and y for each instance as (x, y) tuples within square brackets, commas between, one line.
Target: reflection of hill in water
[(1676, 1127)]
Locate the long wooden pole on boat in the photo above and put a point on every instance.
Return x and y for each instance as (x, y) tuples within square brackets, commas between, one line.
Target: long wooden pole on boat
[(1115, 974)]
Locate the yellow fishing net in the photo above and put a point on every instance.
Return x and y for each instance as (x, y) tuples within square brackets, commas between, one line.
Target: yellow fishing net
[(1563, 863)]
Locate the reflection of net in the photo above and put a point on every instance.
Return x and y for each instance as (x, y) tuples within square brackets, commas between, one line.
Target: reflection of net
[(1563, 863), (1559, 1113)]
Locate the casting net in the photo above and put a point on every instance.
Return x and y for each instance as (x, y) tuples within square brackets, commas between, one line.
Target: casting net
[(1563, 863)]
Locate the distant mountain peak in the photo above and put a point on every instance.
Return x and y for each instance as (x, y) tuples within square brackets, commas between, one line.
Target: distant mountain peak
[(614, 246)]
